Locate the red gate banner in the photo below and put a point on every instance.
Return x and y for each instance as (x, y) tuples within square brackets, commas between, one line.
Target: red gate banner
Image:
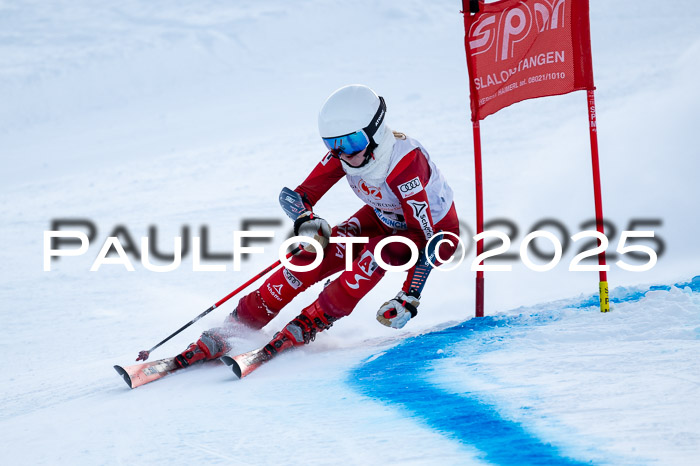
[(523, 49)]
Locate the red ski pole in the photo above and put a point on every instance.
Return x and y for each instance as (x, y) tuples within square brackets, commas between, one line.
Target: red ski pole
[(143, 355)]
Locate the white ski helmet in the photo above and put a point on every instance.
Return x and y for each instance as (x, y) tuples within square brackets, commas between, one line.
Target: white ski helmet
[(351, 118)]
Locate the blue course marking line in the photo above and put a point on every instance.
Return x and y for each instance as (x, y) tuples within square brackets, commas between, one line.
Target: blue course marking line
[(400, 380), (398, 377), (636, 295)]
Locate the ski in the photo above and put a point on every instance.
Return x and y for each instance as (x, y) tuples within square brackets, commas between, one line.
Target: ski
[(141, 374), (245, 363)]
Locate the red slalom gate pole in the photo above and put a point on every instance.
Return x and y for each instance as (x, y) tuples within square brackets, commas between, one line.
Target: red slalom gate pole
[(479, 292), (143, 355), (603, 285)]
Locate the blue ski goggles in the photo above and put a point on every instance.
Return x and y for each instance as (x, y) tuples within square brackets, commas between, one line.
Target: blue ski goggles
[(350, 144)]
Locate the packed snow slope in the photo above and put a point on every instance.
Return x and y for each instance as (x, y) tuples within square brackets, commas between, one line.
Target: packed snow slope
[(181, 115)]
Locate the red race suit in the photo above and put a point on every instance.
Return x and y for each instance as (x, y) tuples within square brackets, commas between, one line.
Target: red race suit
[(413, 200)]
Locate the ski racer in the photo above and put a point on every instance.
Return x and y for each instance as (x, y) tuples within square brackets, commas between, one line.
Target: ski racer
[(405, 195)]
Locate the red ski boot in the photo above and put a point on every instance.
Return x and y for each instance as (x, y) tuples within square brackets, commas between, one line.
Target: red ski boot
[(300, 331), (211, 345)]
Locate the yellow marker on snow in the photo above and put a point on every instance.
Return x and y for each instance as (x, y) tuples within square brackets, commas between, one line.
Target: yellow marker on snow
[(604, 299)]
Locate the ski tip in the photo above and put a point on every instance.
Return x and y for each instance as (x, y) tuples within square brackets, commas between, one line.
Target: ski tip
[(236, 368), (228, 360), (120, 370)]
